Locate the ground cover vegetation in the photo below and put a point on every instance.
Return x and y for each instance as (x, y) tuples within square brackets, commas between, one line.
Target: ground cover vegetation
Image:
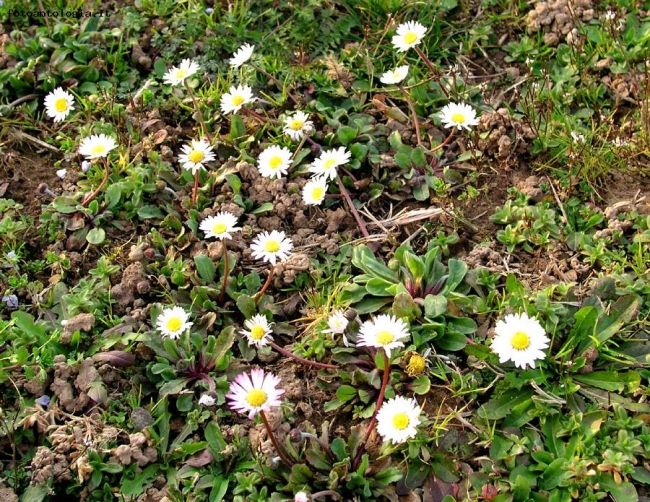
[(324, 250)]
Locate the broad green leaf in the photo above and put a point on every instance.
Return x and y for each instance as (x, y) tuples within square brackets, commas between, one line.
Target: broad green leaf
[(365, 260), (405, 306), (172, 387), (457, 271), (501, 406), (451, 341), (147, 212), (204, 267), (555, 474), (96, 236), (378, 287), (346, 134), (435, 305), (237, 127), (346, 393), (415, 265)]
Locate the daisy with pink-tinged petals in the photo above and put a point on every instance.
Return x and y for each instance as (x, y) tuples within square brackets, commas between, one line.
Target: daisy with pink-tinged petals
[(251, 394)]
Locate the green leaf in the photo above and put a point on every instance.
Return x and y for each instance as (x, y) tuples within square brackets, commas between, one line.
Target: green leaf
[(237, 127), (205, 267), (452, 341), (214, 437), (234, 182), (554, 474), (415, 265), (501, 406), (378, 287), (246, 306), (184, 402), (35, 493), (405, 306), (421, 385), (434, 305), (338, 449), (224, 341), (172, 387), (421, 192), (346, 134), (134, 487), (96, 236), (610, 380), (149, 211), (457, 271), (395, 140), (267, 206), (365, 260), (621, 492), (346, 393)]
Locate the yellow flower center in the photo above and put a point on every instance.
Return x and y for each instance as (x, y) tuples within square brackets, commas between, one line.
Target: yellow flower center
[(329, 164), (416, 365), (196, 156), (181, 73), (219, 228), (174, 324), (410, 37), (296, 124), (384, 337), (61, 105), (272, 246), (520, 340), (237, 100), (257, 332), (400, 421), (256, 397), (275, 162), (98, 149), (317, 193), (458, 117)]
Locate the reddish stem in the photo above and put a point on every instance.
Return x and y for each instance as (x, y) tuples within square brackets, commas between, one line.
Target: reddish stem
[(225, 273), (284, 459), (447, 140), (195, 190), (416, 122), (428, 62), (380, 401), (91, 196), (266, 285), (285, 352), (355, 213)]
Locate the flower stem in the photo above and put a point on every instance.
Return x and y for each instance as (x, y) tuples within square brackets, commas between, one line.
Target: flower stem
[(428, 62), (413, 113), (302, 142), (447, 140), (382, 392), (285, 352), (266, 285), (254, 114), (91, 196), (380, 400), (195, 190), (321, 443), (355, 213), (198, 110), (225, 273), (325, 493), (284, 459)]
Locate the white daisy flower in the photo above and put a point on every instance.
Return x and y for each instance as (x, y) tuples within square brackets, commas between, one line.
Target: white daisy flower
[(458, 115), (272, 247), (383, 331), (242, 55), (250, 394), (314, 191), (298, 125), (97, 146), (207, 400), (178, 74), (337, 323), (408, 35), (258, 332), (520, 339), (326, 164), (173, 322), (232, 101), (395, 76), (274, 161), (195, 155), (220, 225), (58, 104), (398, 418)]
